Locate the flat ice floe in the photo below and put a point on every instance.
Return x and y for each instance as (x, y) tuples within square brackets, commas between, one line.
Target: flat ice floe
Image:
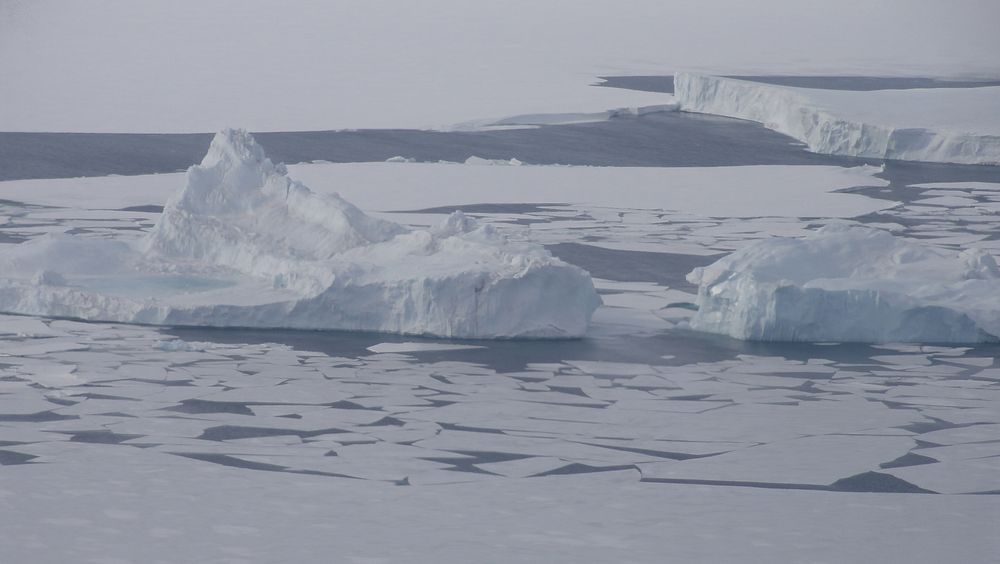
[(850, 284), (950, 125), (243, 245), (715, 191)]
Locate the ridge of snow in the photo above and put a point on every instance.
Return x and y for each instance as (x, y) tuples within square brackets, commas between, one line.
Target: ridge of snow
[(244, 245), (879, 124), (849, 284)]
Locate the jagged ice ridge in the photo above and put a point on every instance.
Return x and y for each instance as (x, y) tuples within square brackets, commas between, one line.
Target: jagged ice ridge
[(244, 245)]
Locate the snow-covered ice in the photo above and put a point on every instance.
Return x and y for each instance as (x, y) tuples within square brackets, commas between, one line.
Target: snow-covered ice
[(950, 125), (244, 245), (720, 191), (850, 284)]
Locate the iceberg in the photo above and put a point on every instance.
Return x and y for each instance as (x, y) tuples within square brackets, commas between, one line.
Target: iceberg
[(850, 283), (954, 125), (244, 245)]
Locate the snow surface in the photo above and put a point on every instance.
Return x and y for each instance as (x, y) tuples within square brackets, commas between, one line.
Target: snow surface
[(951, 125), (245, 245), (188, 65), (850, 284)]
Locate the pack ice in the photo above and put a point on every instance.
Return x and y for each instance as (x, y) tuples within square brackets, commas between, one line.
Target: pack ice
[(244, 245), (850, 284)]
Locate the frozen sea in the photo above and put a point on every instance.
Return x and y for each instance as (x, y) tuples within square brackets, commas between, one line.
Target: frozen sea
[(642, 442)]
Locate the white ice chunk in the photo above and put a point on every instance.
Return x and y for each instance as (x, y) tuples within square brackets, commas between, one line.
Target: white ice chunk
[(953, 125), (175, 345), (983, 186), (245, 245), (417, 347), (849, 284), (53, 376), (480, 161), (947, 201)]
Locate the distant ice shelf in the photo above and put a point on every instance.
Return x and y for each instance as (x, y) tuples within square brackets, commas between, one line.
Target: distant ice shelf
[(244, 245), (850, 284), (952, 125)]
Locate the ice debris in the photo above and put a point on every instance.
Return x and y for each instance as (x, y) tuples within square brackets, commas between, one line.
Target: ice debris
[(244, 245), (850, 284), (480, 161), (178, 345)]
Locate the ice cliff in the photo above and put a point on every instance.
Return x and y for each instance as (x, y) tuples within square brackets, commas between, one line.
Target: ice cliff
[(244, 245), (936, 125), (850, 284)]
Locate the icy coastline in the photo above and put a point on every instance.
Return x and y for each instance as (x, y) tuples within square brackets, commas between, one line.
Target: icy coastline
[(243, 245), (888, 124), (849, 284)]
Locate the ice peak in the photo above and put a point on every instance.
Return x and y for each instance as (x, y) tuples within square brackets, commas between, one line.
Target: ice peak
[(457, 223), (233, 177), (234, 146), (241, 211)]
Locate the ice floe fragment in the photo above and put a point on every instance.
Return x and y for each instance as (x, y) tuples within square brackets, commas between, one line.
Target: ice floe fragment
[(850, 284)]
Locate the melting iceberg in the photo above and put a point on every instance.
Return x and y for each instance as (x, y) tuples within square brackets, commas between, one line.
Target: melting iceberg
[(850, 284), (951, 125), (243, 245)]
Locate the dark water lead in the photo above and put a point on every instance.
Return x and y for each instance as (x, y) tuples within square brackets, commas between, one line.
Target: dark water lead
[(666, 139)]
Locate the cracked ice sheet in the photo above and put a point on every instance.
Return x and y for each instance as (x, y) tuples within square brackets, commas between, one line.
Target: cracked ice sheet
[(21, 326), (81, 512), (738, 191), (598, 415), (979, 475), (817, 460), (552, 437)]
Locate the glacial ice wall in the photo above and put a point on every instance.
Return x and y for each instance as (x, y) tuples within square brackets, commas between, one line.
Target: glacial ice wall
[(853, 123), (849, 284), (244, 245)]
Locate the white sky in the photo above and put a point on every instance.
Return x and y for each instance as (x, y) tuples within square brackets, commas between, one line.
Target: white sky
[(184, 65)]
